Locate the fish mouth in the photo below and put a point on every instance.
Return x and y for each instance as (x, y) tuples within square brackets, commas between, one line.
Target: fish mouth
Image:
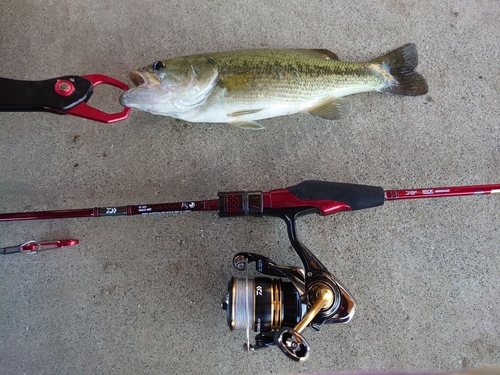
[(143, 79)]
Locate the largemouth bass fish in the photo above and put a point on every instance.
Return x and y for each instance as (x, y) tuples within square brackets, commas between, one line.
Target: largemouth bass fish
[(241, 87)]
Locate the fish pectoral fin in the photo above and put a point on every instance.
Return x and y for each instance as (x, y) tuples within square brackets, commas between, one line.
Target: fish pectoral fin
[(247, 125), (237, 81), (333, 109), (244, 112), (323, 53)]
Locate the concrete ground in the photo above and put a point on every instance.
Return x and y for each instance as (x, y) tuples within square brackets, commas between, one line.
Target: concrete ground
[(140, 295)]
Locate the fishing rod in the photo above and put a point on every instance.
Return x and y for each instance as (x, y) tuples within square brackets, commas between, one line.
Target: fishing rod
[(327, 197), (277, 309)]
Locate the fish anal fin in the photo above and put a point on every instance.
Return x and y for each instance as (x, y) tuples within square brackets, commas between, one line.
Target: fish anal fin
[(323, 53), (333, 109), (237, 81), (247, 125)]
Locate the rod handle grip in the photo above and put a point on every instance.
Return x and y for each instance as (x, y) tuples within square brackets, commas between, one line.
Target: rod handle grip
[(355, 196)]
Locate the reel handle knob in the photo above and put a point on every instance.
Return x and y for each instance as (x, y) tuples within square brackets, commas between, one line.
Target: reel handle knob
[(292, 343)]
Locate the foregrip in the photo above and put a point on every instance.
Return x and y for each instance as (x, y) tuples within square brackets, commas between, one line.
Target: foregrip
[(355, 196)]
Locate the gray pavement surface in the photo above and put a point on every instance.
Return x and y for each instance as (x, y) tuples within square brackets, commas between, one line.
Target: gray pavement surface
[(140, 295)]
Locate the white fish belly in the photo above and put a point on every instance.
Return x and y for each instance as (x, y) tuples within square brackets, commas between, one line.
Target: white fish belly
[(219, 108)]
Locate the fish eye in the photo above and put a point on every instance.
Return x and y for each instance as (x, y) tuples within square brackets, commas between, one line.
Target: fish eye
[(158, 65)]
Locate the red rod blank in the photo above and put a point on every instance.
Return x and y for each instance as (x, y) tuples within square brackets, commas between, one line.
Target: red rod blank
[(161, 208), (453, 191)]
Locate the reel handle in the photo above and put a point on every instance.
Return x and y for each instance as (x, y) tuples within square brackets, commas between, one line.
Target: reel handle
[(324, 299), (290, 340)]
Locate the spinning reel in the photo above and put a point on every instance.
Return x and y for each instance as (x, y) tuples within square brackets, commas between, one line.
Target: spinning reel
[(281, 310)]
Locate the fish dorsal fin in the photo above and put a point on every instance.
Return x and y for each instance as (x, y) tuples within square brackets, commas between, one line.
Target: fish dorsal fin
[(333, 109), (237, 81), (323, 53)]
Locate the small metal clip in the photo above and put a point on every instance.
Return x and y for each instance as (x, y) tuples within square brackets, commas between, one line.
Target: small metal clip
[(32, 247)]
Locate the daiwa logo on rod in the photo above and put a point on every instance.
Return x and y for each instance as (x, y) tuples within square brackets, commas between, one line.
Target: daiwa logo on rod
[(187, 206)]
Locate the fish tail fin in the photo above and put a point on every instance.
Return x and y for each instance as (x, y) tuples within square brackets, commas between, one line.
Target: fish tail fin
[(401, 64)]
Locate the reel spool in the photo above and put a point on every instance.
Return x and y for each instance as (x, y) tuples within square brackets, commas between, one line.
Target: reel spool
[(266, 305), (261, 304)]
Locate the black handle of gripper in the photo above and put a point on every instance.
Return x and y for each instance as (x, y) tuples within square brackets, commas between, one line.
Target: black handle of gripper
[(25, 96)]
